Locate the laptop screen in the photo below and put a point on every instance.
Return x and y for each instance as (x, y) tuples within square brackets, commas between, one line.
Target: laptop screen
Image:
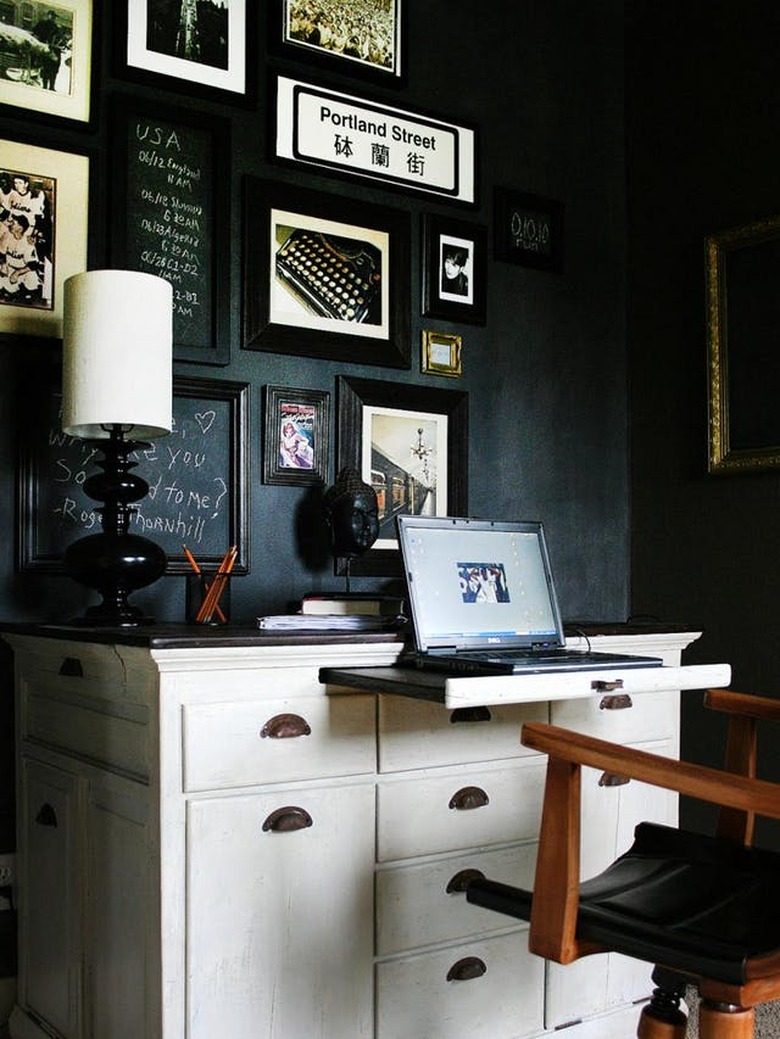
[(479, 584)]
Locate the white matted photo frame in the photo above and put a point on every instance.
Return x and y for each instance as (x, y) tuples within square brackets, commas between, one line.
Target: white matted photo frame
[(48, 63), (200, 48), (366, 39), (325, 276), (454, 265), (296, 435), (46, 196), (411, 444)]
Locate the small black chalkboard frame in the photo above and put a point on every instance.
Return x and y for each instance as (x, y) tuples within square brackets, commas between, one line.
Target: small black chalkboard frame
[(527, 229), (355, 235), (197, 477), (170, 206)]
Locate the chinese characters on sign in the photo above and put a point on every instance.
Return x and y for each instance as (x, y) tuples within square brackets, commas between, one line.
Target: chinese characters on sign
[(341, 132)]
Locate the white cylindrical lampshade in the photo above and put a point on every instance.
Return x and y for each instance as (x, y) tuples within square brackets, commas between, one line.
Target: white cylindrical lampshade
[(117, 357)]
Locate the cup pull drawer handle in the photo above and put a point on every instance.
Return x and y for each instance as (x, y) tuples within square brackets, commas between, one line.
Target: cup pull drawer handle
[(71, 668), (613, 779), (470, 714), (621, 702), (462, 879), (287, 819), (466, 969), (46, 816), (285, 727), (469, 797)]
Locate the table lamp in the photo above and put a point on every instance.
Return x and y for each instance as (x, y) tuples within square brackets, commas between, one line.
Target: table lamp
[(117, 380)]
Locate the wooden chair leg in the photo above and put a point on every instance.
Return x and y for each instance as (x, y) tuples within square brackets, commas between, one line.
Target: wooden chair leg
[(662, 1017), (723, 1021)]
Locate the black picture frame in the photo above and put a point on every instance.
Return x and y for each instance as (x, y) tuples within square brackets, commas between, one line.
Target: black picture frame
[(742, 266), (527, 229), (463, 297), (302, 457), (197, 477), (336, 58), (363, 235), (226, 74), (171, 216), (356, 400)]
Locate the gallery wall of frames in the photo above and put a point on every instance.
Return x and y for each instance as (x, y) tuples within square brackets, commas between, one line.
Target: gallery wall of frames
[(385, 252)]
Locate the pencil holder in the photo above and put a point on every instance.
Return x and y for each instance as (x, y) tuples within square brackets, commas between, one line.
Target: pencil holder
[(198, 586)]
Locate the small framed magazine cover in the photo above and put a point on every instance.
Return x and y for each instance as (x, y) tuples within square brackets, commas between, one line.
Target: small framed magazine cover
[(296, 435)]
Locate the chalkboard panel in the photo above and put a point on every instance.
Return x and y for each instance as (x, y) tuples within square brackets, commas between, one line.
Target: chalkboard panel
[(197, 480), (171, 217)]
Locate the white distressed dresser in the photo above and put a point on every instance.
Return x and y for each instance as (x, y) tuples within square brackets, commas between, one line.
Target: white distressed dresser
[(213, 842)]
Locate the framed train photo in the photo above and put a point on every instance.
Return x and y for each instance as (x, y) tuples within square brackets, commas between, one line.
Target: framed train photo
[(411, 444)]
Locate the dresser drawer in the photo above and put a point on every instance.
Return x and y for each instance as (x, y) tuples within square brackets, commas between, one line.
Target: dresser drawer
[(272, 741), (448, 810), (425, 903), (431, 996), (416, 734), (645, 716)]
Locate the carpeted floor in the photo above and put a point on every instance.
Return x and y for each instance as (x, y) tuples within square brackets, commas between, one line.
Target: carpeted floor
[(767, 1019)]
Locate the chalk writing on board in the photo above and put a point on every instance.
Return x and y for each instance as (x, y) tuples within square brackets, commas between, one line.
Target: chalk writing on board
[(195, 477), (170, 217)]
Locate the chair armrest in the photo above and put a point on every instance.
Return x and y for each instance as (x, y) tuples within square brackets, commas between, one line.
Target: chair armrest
[(742, 703), (556, 885), (698, 781)]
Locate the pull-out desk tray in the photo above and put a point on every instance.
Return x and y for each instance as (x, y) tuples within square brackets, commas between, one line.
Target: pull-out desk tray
[(459, 691)]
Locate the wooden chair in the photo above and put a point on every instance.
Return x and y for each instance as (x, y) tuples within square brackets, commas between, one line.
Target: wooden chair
[(704, 909)]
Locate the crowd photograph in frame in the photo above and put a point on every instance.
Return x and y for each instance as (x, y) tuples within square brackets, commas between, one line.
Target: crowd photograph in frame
[(325, 276), (195, 46), (296, 435), (454, 265), (48, 67), (45, 195), (411, 444), (441, 354), (169, 213), (366, 38), (527, 230), (742, 268)]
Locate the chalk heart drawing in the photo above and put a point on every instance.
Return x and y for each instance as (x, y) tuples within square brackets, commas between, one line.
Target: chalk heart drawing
[(205, 420)]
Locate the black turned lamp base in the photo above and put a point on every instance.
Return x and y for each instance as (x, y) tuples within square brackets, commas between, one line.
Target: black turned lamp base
[(115, 562)]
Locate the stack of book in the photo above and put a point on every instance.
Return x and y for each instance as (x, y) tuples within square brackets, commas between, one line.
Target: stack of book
[(345, 613)]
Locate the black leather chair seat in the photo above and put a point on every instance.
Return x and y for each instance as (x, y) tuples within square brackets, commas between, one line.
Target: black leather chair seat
[(696, 904)]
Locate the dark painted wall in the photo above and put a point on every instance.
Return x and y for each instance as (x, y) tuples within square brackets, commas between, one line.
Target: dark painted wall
[(545, 376), (702, 151)]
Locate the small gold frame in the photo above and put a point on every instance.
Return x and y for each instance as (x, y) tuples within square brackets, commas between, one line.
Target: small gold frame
[(742, 270), (441, 353)]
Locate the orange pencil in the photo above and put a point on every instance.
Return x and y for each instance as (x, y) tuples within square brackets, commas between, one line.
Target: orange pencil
[(194, 564), (211, 601)]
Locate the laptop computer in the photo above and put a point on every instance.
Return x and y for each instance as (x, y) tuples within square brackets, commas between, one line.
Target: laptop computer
[(483, 601)]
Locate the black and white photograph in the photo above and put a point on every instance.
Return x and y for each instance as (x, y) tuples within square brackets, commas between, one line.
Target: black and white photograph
[(45, 57), (43, 234), (200, 42), (454, 264), (404, 457), (325, 276), (363, 36), (27, 221)]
